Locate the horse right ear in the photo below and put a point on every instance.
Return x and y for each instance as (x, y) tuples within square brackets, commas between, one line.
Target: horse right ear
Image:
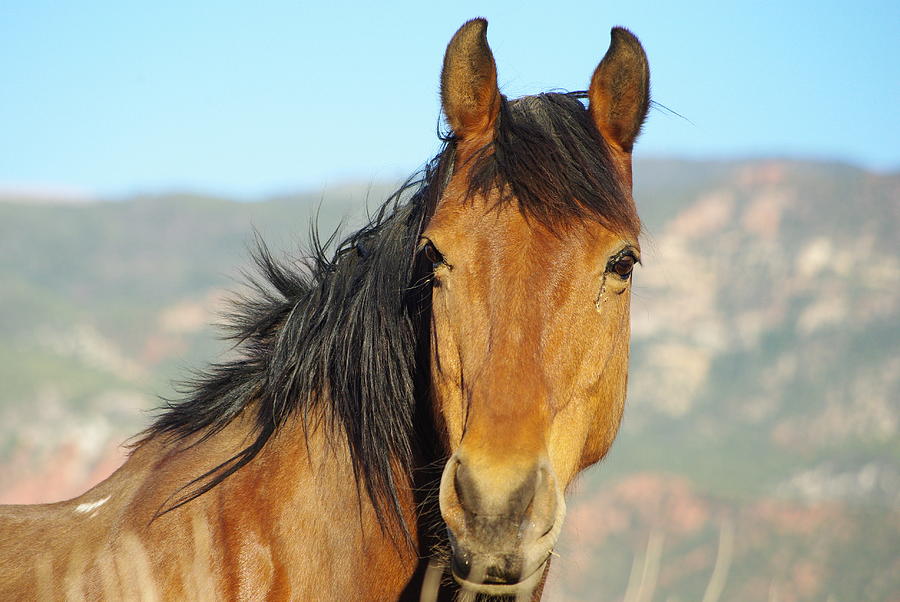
[(469, 93), (620, 91)]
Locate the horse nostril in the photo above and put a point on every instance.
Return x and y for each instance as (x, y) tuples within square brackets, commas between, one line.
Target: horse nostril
[(543, 507), (466, 489), (521, 502), (461, 563)]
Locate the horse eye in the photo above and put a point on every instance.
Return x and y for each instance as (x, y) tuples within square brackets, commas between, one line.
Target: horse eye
[(433, 256), (623, 266)]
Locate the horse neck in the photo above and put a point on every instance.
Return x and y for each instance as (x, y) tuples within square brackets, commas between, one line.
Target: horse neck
[(298, 498)]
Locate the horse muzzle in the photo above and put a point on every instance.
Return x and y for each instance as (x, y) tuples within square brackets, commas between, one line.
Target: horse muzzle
[(502, 523)]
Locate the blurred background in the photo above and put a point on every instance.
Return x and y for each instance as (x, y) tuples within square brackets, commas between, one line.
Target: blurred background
[(759, 457)]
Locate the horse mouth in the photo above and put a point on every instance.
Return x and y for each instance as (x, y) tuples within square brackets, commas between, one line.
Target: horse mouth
[(490, 587)]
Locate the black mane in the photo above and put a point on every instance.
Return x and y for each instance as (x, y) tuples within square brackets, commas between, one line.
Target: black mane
[(341, 333)]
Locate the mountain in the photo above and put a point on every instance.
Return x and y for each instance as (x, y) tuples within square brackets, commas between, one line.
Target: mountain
[(759, 456)]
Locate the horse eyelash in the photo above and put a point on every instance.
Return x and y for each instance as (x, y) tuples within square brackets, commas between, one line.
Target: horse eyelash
[(423, 245), (629, 251)]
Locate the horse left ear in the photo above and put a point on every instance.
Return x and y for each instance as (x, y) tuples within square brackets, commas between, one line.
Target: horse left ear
[(620, 91), (469, 92)]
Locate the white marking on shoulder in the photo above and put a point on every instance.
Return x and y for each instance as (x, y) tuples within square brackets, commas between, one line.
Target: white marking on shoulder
[(88, 506)]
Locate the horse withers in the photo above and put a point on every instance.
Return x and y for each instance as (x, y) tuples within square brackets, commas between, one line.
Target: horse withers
[(403, 416)]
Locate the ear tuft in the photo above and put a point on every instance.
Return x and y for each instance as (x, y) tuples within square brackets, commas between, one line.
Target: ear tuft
[(469, 93), (620, 90)]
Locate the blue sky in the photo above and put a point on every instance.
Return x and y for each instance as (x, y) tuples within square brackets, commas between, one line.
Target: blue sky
[(254, 98)]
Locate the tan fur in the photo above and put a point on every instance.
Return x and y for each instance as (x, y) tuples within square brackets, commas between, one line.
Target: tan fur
[(530, 352), (525, 367), (281, 528), (554, 363)]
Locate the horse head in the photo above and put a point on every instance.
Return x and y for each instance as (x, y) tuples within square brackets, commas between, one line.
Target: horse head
[(530, 249)]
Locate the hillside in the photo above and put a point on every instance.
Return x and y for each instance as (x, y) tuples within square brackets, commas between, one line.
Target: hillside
[(762, 423), (761, 433)]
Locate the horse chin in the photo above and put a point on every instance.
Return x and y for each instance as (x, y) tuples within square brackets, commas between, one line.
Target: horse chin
[(524, 587)]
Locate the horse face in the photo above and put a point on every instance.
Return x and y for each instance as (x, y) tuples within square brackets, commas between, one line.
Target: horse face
[(529, 359), (530, 331)]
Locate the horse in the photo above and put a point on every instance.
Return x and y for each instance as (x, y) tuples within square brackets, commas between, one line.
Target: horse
[(404, 413)]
